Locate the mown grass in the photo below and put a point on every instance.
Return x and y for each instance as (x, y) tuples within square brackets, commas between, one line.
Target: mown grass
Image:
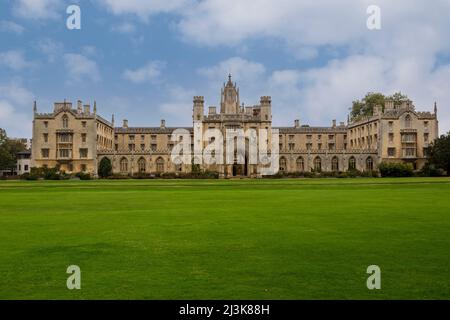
[(240, 239)]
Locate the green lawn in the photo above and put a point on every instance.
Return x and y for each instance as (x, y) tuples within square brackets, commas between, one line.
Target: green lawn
[(240, 239)]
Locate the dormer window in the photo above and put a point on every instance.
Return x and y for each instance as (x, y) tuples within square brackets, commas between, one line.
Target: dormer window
[(65, 121), (408, 121)]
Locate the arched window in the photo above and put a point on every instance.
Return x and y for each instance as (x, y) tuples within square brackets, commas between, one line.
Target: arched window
[(300, 164), (141, 165), (160, 165), (65, 121), (352, 163), (317, 164), (282, 164), (335, 164), (408, 121), (369, 164), (124, 165)]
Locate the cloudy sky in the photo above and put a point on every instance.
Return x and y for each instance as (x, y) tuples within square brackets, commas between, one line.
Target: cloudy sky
[(144, 59)]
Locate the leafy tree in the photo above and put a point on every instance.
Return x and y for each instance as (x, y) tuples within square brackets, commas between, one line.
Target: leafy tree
[(439, 153), (364, 108), (398, 98), (104, 168), (8, 151)]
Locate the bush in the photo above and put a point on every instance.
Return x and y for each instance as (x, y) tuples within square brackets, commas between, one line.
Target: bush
[(396, 169), (83, 176), (143, 175), (118, 177), (104, 168), (430, 170), (28, 176)]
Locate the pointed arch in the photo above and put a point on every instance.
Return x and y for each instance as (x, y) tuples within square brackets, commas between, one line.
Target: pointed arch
[(124, 165), (300, 164), (335, 164), (317, 164), (408, 121), (160, 165), (142, 165), (65, 121), (369, 164), (352, 163), (282, 164)]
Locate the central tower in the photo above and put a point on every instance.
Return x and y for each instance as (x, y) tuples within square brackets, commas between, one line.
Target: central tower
[(229, 101)]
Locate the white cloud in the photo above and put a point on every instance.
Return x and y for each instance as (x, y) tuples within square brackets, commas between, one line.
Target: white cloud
[(52, 49), (179, 107), (124, 28), (15, 60), (81, 68), (10, 26), (37, 9), (248, 72), (151, 72), (144, 8), (318, 95), (15, 110)]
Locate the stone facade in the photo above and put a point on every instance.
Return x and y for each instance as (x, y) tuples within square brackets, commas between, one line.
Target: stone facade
[(77, 139)]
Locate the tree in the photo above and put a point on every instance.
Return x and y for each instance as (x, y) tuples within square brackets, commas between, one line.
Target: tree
[(439, 153), (104, 168), (364, 108), (398, 98), (8, 151)]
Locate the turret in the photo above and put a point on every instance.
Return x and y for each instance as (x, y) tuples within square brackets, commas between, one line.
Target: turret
[(79, 107), (199, 105), (230, 98), (266, 108)]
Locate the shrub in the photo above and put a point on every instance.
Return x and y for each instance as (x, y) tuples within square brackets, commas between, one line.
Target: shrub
[(396, 169), (104, 168), (430, 170), (83, 176)]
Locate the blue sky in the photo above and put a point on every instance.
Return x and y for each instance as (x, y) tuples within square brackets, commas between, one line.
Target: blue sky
[(144, 60)]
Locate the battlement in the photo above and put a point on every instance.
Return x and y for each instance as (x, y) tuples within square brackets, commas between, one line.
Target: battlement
[(266, 99)]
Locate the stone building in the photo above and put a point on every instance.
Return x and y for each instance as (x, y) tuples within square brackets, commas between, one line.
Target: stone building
[(70, 137), (77, 139)]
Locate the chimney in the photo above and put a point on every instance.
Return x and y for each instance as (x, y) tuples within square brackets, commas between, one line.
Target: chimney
[(297, 123), (334, 123), (163, 123), (79, 106), (342, 124), (212, 110), (87, 109), (125, 123)]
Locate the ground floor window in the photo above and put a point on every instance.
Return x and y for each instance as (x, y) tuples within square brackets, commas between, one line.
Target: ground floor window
[(300, 164), (369, 164), (141, 165), (124, 165), (335, 164), (160, 165), (352, 163), (317, 164)]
